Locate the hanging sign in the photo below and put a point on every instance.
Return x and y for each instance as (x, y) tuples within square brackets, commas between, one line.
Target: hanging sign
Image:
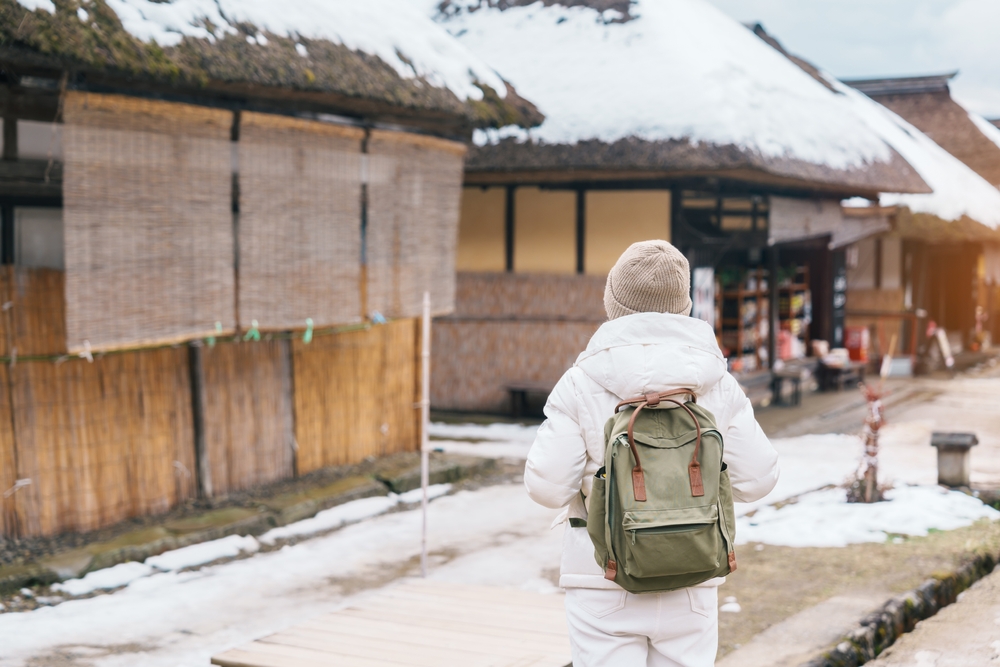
[(703, 295)]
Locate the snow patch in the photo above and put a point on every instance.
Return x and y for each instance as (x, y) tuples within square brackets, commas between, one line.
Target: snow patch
[(991, 131), (106, 579), (206, 552), (397, 31), (331, 519), (825, 518), (680, 70), (302, 50), (82, 14), (33, 5), (495, 441), (417, 495)]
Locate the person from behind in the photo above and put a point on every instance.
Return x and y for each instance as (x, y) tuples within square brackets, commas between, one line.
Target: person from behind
[(648, 347)]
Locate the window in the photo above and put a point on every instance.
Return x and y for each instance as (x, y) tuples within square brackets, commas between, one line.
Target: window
[(615, 219), (38, 238), (544, 231)]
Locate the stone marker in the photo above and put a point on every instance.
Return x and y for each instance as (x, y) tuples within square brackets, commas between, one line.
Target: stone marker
[(953, 457)]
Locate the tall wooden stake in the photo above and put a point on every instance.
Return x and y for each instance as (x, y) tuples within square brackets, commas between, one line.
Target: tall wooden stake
[(425, 419)]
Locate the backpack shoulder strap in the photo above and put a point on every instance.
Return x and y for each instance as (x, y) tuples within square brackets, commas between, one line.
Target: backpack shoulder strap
[(652, 400)]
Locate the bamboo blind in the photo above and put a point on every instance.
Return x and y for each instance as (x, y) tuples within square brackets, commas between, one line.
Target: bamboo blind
[(248, 414), (102, 441), (148, 221), (414, 197), (356, 395), (299, 222)]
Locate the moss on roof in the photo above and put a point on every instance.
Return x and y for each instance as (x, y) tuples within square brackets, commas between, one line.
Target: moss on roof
[(101, 44)]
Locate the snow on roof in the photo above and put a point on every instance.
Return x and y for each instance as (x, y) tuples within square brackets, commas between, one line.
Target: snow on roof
[(397, 31), (681, 69), (958, 190), (991, 131)]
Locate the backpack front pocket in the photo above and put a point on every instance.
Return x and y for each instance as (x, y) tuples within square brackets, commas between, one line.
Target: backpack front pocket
[(663, 543)]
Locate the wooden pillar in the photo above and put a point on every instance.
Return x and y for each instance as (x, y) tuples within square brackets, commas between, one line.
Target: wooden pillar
[(197, 372), (581, 229), (509, 229), (772, 309), (288, 391), (10, 149)]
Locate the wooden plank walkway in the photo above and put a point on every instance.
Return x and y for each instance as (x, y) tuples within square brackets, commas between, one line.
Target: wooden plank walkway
[(420, 623)]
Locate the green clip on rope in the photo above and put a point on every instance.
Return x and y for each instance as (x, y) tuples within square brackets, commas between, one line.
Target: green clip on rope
[(307, 337), (253, 333), (211, 339)]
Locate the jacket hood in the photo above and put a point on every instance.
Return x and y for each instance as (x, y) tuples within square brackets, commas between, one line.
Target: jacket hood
[(648, 352)]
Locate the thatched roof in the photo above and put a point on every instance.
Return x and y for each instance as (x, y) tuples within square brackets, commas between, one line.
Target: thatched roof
[(679, 87), (926, 102), (244, 61), (960, 196)]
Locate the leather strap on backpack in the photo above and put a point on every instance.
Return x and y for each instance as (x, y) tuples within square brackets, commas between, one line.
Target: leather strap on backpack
[(652, 400)]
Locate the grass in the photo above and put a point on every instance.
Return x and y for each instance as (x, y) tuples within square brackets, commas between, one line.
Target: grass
[(775, 583)]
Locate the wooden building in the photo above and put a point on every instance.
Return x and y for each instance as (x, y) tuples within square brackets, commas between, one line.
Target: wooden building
[(200, 239), (663, 120), (939, 259)]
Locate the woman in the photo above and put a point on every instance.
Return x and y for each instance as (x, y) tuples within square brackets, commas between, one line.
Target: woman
[(649, 344)]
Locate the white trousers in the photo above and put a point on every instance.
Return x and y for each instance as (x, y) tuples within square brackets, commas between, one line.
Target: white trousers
[(610, 628)]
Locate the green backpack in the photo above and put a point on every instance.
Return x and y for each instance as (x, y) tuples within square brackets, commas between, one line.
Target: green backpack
[(661, 511)]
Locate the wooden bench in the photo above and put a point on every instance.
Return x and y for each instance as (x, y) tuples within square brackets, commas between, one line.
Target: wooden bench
[(422, 624), (519, 392), (838, 377), (778, 379)]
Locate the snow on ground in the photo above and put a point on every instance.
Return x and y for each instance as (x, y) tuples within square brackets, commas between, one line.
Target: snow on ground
[(681, 70), (498, 440), (206, 552), (826, 519), (397, 31), (494, 535), (106, 579)]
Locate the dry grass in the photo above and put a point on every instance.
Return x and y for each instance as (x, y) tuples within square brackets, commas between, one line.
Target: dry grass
[(777, 582)]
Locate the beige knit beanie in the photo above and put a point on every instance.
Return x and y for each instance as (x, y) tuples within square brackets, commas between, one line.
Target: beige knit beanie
[(649, 277)]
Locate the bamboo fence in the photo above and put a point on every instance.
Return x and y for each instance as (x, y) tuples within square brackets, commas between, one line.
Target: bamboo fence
[(101, 441), (356, 395), (249, 431)]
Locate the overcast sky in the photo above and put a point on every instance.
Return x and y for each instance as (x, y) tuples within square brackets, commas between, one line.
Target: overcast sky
[(870, 38)]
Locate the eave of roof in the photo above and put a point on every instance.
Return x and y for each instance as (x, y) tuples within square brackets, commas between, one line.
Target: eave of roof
[(334, 77), (903, 85)]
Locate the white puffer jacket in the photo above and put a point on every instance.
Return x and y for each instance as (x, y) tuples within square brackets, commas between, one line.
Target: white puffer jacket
[(628, 357)]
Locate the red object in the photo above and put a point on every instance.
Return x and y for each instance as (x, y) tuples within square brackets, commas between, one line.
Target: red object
[(784, 345), (856, 340)]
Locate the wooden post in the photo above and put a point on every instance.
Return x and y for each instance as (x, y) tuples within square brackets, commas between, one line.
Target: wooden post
[(581, 230), (508, 233), (425, 418), (197, 372), (10, 149), (773, 319)]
